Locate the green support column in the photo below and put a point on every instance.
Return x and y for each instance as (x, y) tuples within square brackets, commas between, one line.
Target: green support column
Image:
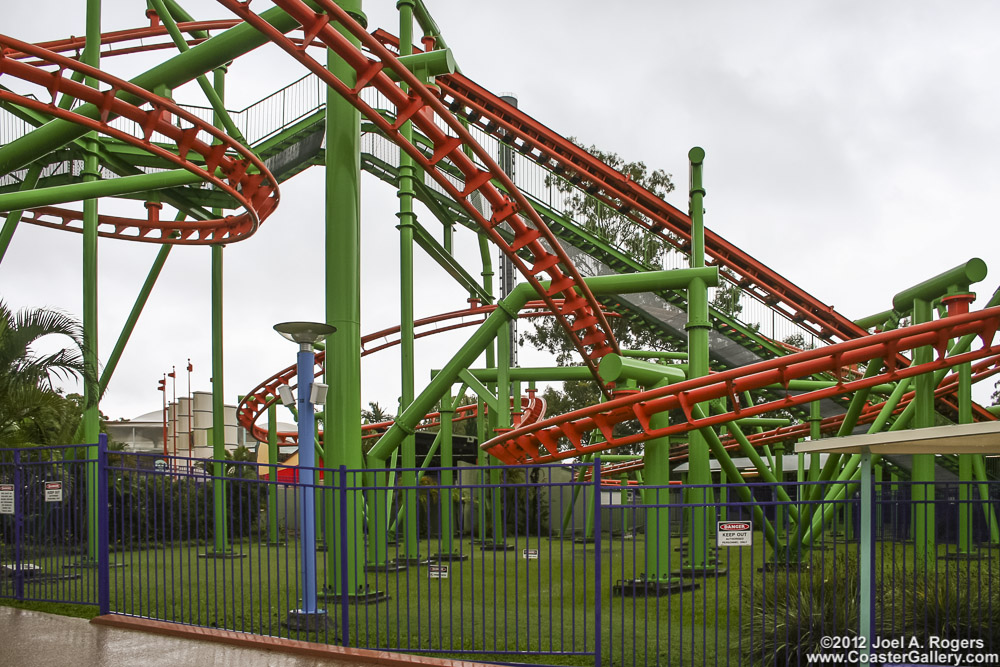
[(342, 426), (657, 466), (91, 391), (482, 459), (924, 532), (698, 326), (447, 480), (965, 545), (221, 521), (221, 528), (815, 420), (408, 449), (779, 474), (502, 422), (272, 460), (625, 513)]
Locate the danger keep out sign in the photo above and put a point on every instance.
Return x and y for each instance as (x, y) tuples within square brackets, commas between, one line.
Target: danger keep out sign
[(53, 492), (734, 534)]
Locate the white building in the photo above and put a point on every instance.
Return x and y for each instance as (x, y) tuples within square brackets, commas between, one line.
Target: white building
[(188, 432)]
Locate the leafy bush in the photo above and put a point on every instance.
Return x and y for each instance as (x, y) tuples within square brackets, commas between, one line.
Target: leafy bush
[(788, 614)]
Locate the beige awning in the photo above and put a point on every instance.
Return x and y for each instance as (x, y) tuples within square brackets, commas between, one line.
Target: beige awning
[(981, 438)]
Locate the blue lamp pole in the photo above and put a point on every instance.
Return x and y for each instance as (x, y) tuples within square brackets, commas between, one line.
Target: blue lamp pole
[(309, 616)]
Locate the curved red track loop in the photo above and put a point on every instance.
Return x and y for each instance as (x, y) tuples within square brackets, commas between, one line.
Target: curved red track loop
[(256, 402), (244, 177), (545, 441), (578, 312), (532, 406), (532, 410), (140, 35)]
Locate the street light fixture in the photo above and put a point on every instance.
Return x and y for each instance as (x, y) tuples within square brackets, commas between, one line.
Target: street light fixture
[(309, 616)]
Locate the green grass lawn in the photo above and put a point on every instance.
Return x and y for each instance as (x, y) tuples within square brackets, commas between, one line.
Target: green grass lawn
[(493, 606)]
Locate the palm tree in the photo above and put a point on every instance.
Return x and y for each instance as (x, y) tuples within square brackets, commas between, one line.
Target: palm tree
[(375, 414), (26, 377)]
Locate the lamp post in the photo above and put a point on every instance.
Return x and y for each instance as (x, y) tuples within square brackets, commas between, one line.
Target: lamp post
[(308, 616)]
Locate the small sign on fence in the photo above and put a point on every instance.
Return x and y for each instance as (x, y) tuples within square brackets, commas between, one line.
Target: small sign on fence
[(437, 571), (6, 498), (529, 554), (53, 492), (734, 533)]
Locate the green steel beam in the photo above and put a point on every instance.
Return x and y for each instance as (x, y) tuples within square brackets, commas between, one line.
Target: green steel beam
[(93, 189), (447, 262), (509, 307), (957, 279), (876, 319), (654, 354), (483, 392), (213, 97), (14, 217), (133, 317)]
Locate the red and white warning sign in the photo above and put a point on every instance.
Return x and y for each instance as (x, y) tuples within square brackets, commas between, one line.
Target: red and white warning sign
[(734, 533), (53, 492)]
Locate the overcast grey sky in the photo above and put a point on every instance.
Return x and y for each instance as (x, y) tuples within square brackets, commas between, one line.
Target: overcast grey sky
[(851, 146)]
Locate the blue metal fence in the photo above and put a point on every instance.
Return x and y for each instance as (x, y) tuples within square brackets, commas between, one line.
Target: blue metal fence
[(45, 549), (540, 565)]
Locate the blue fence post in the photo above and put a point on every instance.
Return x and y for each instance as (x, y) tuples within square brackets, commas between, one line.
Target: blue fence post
[(103, 560), (344, 595), (597, 561), (18, 527)]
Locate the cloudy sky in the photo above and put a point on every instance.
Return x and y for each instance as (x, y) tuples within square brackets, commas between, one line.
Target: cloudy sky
[(851, 146)]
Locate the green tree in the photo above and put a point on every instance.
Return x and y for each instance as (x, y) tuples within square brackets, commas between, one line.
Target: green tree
[(618, 229), (727, 299), (28, 398), (606, 221)]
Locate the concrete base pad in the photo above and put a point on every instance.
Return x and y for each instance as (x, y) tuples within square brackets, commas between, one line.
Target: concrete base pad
[(315, 621), (704, 571), (449, 557), (782, 567), (221, 554), (641, 588)]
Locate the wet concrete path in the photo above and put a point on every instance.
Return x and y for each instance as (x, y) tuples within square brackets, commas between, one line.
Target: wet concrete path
[(36, 639)]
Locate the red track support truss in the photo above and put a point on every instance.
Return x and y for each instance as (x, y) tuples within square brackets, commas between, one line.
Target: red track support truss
[(561, 437), (568, 296), (227, 165), (255, 403)]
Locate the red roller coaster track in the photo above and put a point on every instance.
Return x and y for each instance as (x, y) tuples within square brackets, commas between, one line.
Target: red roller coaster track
[(460, 96), (244, 176), (547, 441), (256, 402), (578, 311)]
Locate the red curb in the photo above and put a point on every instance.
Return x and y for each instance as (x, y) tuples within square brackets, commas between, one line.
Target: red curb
[(276, 644)]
